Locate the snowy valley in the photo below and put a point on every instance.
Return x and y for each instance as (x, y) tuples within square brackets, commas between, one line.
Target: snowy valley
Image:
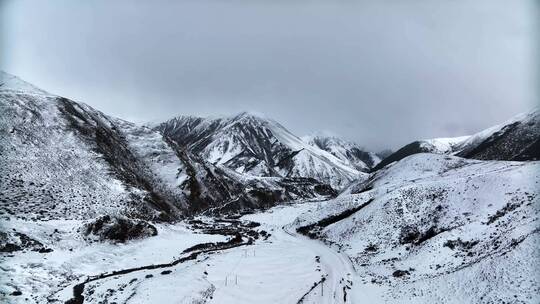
[(238, 209)]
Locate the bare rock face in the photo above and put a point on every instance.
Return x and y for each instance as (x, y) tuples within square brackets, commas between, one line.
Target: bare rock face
[(15, 241), (257, 146), (117, 229)]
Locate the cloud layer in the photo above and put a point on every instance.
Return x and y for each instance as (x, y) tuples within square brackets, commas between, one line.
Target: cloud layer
[(381, 73)]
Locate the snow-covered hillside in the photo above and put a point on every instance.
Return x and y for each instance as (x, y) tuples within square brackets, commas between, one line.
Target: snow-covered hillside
[(63, 159), (13, 84), (441, 229), (435, 145), (47, 169), (257, 146), (515, 139), (95, 209), (348, 152)]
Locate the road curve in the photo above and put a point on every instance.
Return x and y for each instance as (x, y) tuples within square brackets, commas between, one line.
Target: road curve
[(336, 266)]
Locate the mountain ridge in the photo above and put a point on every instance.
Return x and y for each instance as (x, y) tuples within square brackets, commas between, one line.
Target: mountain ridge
[(515, 139), (52, 144), (258, 146)]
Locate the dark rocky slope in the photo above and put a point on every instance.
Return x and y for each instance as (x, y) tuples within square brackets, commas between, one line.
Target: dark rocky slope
[(517, 139), (64, 159)]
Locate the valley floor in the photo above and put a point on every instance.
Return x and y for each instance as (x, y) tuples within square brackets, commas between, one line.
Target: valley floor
[(284, 268)]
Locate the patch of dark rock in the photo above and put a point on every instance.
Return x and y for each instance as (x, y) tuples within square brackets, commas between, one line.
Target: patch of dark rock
[(371, 248), (205, 246), (400, 273), (502, 212), (409, 234), (118, 229), (148, 276), (463, 245), (412, 235), (312, 230), (164, 272), (265, 196), (324, 189), (16, 241), (9, 247), (45, 250), (16, 293), (196, 222), (252, 224)]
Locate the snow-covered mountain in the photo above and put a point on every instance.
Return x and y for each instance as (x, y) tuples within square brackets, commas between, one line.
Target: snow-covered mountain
[(348, 152), (63, 159), (435, 145), (515, 139), (257, 146), (127, 213), (13, 84), (440, 229)]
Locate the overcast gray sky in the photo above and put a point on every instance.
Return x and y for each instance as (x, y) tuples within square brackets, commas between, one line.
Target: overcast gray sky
[(381, 72)]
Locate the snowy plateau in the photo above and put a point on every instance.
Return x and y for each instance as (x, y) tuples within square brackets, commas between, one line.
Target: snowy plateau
[(237, 209)]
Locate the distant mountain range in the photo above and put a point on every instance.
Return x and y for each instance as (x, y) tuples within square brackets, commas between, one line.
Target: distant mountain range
[(444, 220), (61, 158), (257, 146), (516, 139)]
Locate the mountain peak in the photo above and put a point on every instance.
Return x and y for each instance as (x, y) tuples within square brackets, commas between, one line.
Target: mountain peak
[(253, 144), (252, 118), (250, 114), (241, 116), (12, 83), (347, 151)]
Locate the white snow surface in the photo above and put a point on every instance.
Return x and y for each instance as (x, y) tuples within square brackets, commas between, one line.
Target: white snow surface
[(445, 145), (163, 163), (475, 230), (13, 84), (233, 142), (486, 210), (40, 276), (282, 269), (454, 230), (344, 150), (48, 168)]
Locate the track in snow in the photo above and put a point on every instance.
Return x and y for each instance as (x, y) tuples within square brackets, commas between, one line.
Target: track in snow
[(286, 268), (338, 271)]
